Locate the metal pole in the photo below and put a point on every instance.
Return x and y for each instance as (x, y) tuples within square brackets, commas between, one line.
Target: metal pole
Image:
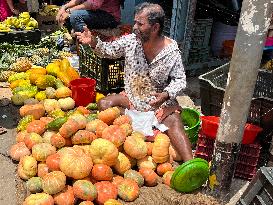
[(252, 29)]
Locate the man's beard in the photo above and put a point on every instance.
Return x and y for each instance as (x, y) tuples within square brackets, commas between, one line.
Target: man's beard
[(144, 36)]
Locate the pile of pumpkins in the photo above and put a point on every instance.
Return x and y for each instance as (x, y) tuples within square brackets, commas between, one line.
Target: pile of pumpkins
[(83, 156)]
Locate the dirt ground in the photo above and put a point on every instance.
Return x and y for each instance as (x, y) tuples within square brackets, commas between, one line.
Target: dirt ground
[(13, 190)]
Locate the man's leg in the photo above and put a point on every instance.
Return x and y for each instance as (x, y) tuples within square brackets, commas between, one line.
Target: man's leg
[(178, 137), (114, 100)]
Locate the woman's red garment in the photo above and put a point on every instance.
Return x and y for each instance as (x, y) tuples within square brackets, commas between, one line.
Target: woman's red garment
[(4, 10)]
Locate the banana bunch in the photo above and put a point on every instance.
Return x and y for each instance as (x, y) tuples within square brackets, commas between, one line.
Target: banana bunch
[(49, 10), (4, 27), (24, 21)]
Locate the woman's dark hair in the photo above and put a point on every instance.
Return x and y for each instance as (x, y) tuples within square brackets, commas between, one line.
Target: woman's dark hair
[(155, 13)]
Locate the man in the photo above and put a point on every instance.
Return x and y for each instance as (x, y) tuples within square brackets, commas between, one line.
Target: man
[(154, 73), (96, 14)]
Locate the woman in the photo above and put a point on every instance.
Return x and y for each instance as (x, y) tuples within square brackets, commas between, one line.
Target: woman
[(96, 14), (7, 9)]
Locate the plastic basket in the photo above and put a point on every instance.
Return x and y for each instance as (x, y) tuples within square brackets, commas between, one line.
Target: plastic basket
[(109, 74)]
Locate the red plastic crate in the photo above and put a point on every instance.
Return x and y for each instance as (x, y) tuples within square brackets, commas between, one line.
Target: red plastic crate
[(242, 168), (245, 175)]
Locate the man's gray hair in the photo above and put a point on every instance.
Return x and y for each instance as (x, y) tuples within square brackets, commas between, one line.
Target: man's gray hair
[(155, 13)]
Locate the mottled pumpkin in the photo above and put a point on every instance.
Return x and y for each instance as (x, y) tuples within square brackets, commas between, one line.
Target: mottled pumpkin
[(34, 184), (32, 139), (65, 197), (85, 190), (46, 120), (109, 115), (102, 172), (83, 110), (42, 170), (19, 150), (53, 162), (92, 125), (39, 198), (103, 152), (128, 190), (75, 163), (20, 137), (150, 177), (114, 134), (117, 180), (106, 190), (27, 167), (54, 182), (146, 162), (41, 151), (134, 175), (69, 128), (160, 152), (123, 164), (127, 128), (163, 168), (123, 119), (36, 126), (83, 137), (80, 119), (57, 140), (167, 178), (135, 147), (100, 127)]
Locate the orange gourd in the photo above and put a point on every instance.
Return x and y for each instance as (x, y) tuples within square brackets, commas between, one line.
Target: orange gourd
[(36, 110), (57, 140), (102, 172), (163, 168), (114, 134), (53, 162), (83, 137), (149, 148), (123, 119), (135, 147), (18, 151), (83, 110), (20, 137), (146, 162), (150, 177), (86, 203), (53, 182), (112, 202), (106, 190), (167, 178), (46, 120), (117, 180), (39, 198), (27, 167), (42, 170), (101, 126), (135, 176), (69, 128), (65, 197), (128, 190), (127, 128), (85, 190), (123, 164), (42, 150), (109, 115), (32, 139), (36, 126), (160, 152)]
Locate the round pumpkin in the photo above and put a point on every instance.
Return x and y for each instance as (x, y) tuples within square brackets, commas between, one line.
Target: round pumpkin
[(80, 119), (75, 163), (117, 180), (85, 190), (46, 120), (36, 126), (53, 162), (57, 140), (83, 137), (146, 162), (123, 119), (114, 134), (167, 178), (149, 148), (102, 172), (18, 150), (41, 151), (109, 115), (135, 147), (47, 136), (163, 168), (123, 164), (42, 170), (69, 128), (160, 152), (54, 182), (39, 198), (32, 139), (86, 203), (100, 127), (65, 197), (92, 125), (34, 184), (112, 202), (20, 137), (127, 128), (106, 190), (128, 190), (134, 175), (27, 167), (150, 177), (103, 152)]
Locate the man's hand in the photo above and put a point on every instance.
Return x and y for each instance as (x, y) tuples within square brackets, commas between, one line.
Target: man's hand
[(59, 14), (63, 17), (160, 99), (86, 37)]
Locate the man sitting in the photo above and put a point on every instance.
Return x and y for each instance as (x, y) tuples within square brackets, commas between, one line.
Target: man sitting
[(154, 73)]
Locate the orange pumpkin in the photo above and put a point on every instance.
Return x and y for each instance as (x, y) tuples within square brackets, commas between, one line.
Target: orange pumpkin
[(117, 180), (92, 125), (46, 120), (102, 172), (65, 197), (100, 127), (103, 152), (160, 152), (18, 150), (53, 162), (20, 137), (123, 119), (127, 128), (86, 203), (54, 182), (36, 110), (42, 150), (27, 167), (80, 119), (149, 148), (32, 139), (163, 168), (150, 177), (114, 134), (128, 190), (167, 178), (39, 198), (135, 147), (123, 164), (83, 110), (57, 140), (112, 202), (42, 170), (69, 128), (83, 137), (85, 190), (75, 163), (146, 162), (135, 176), (109, 115), (106, 190)]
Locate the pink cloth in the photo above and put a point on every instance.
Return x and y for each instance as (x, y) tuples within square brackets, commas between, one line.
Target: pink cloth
[(110, 6), (4, 10)]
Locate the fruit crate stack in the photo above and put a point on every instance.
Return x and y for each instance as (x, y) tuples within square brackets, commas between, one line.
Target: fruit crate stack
[(199, 51), (212, 89)]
